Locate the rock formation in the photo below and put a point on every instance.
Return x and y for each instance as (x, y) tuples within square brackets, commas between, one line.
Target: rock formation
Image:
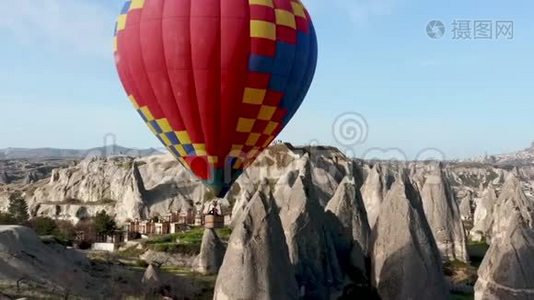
[(31, 177), (256, 264), (374, 190), (150, 277), (125, 187), (24, 256), (442, 213), (483, 216), (466, 212), (326, 167), (211, 255), (347, 205), (4, 178), (511, 199), (507, 270), (325, 245), (165, 259), (318, 247), (320, 209), (405, 259)]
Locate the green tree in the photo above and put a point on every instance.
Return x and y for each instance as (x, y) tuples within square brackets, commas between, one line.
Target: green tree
[(18, 208), (6, 219), (104, 224), (44, 226), (65, 231)]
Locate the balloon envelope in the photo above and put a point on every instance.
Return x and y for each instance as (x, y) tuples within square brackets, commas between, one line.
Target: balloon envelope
[(215, 80)]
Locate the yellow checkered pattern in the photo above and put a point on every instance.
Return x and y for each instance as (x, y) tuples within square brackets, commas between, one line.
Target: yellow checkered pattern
[(123, 18), (257, 140), (255, 97), (246, 125), (266, 29), (298, 9), (177, 142)]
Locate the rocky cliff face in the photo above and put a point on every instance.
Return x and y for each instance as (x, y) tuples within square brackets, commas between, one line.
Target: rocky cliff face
[(443, 215), (507, 271), (483, 217), (466, 206), (123, 186), (406, 262), (4, 178), (211, 255), (347, 205), (326, 238), (24, 256), (257, 263), (342, 222), (374, 190), (512, 200), (316, 247), (95, 184), (113, 184), (522, 157), (326, 168)]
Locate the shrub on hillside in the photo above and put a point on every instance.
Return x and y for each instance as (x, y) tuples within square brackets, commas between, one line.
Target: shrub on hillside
[(18, 209), (6, 219), (43, 225), (104, 224), (63, 231)]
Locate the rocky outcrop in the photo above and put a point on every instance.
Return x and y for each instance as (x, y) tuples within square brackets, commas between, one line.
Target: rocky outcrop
[(326, 167), (123, 186), (511, 199), (150, 277), (31, 177), (405, 259), (23, 257), (257, 264), (325, 245), (442, 213), (522, 157), (483, 216), (315, 260), (347, 205), (4, 178), (466, 211), (165, 259), (508, 268), (319, 245), (374, 189), (211, 255)]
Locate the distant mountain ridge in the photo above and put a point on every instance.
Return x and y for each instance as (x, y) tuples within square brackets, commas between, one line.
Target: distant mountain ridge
[(523, 157), (55, 153)]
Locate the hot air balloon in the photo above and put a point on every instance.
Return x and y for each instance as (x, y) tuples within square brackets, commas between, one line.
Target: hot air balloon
[(215, 80)]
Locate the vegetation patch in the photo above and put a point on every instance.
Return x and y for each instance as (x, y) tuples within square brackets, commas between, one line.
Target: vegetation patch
[(456, 296), (187, 242), (477, 251), (460, 272), (126, 165), (224, 233), (131, 252)]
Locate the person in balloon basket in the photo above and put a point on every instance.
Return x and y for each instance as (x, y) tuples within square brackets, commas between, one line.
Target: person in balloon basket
[(214, 211)]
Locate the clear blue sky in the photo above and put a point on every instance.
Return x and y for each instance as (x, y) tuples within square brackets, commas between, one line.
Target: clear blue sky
[(59, 87)]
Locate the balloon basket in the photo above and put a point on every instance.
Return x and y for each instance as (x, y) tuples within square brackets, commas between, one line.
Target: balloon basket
[(213, 222)]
